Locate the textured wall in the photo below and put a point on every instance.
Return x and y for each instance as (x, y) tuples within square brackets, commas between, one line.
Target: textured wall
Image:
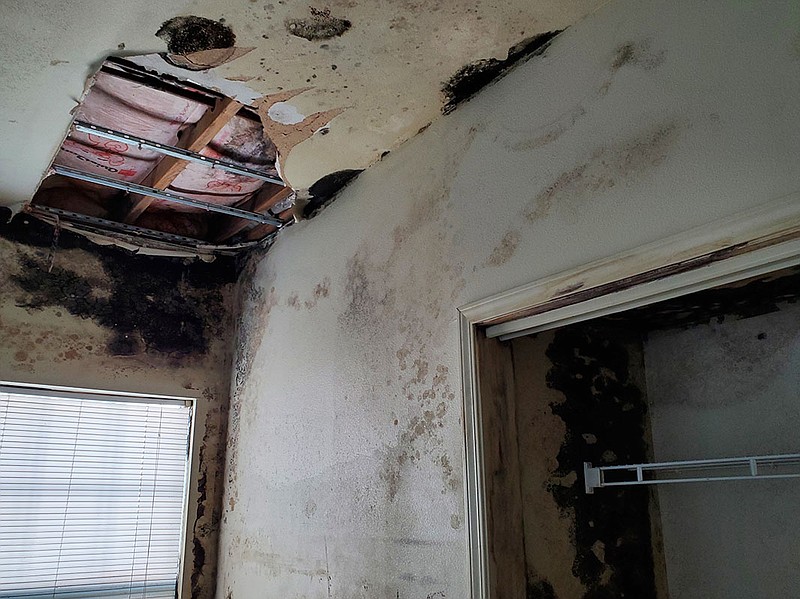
[(728, 389), (78, 315), (345, 472)]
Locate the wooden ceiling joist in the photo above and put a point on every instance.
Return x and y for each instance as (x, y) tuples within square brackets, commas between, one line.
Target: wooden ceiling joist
[(266, 198), (167, 170)]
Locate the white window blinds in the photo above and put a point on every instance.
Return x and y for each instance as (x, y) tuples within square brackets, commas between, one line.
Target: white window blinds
[(91, 495)]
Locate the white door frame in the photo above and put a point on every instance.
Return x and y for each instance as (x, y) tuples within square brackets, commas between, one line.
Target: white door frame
[(750, 243)]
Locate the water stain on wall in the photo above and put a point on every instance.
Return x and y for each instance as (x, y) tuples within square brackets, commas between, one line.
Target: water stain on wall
[(504, 251), (321, 291), (637, 54), (401, 294), (65, 301), (607, 167)]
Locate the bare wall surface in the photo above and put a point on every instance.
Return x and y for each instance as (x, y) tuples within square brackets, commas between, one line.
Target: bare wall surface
[(728, 389), (345, 471), (79, 315)]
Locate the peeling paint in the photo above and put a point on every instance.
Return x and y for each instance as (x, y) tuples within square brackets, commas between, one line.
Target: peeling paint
[(285, 135)]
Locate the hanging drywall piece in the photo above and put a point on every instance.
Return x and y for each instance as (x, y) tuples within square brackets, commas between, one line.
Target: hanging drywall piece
[(207, 59), (157, 64), (286, 125)]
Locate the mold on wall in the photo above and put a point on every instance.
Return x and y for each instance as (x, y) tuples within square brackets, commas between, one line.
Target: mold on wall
[(76, 314), (335, 400), (581, 397), (605, 413)]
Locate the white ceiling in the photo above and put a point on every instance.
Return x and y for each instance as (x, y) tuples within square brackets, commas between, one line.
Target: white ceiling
[(389, 67)]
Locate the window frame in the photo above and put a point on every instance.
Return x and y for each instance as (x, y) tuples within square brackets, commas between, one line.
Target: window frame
[(60, 391)]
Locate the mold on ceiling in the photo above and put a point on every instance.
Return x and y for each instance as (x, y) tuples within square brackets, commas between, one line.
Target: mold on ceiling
[(336, 84), (162, 159)]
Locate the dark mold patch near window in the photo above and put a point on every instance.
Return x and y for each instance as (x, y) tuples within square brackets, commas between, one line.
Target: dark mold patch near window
[(198, 561), (319, 26), (324, 191), (185, 35), (475, 76), (156, 305), (591, 368)]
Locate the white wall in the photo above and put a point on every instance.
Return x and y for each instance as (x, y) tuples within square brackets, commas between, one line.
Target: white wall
[(728, 390), (644, 120)]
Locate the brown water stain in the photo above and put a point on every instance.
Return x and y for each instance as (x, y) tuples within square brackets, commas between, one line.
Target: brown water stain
[(504, 251), (637, 54), (606, 168)]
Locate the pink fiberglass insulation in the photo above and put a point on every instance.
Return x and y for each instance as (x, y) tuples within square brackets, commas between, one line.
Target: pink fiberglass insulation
[(131, 107)]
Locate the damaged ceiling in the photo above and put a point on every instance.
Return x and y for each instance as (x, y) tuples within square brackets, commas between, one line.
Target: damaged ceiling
[(335, 86)]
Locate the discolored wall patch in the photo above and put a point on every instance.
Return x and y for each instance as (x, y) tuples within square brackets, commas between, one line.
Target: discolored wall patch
[(76, 314), (504, 251), (617, 165)]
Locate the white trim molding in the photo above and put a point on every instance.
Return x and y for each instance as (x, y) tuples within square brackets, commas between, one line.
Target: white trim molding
[(752, 243)]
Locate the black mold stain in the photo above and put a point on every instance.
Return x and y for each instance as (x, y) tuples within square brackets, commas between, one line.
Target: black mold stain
[(149, 304), (759, 296), (198, 560), (185, 35), (591, 369), (638, 54), (539, 589), (473, 77), (324, 191), (319, 26)]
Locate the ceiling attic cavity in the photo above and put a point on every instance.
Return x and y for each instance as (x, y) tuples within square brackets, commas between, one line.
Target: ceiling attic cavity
[(209, 145)]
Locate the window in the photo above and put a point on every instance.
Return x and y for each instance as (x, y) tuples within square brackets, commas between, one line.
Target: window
[(92, 493)]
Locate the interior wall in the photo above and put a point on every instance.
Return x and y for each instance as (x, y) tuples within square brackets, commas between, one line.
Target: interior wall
[(728, 389), (345, 470), (580, 397), (79, 315)]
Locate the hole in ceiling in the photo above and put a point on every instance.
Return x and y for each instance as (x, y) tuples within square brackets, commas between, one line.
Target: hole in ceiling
[(157, 158)]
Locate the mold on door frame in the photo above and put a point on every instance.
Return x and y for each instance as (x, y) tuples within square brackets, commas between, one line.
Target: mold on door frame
[(755, 242)]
